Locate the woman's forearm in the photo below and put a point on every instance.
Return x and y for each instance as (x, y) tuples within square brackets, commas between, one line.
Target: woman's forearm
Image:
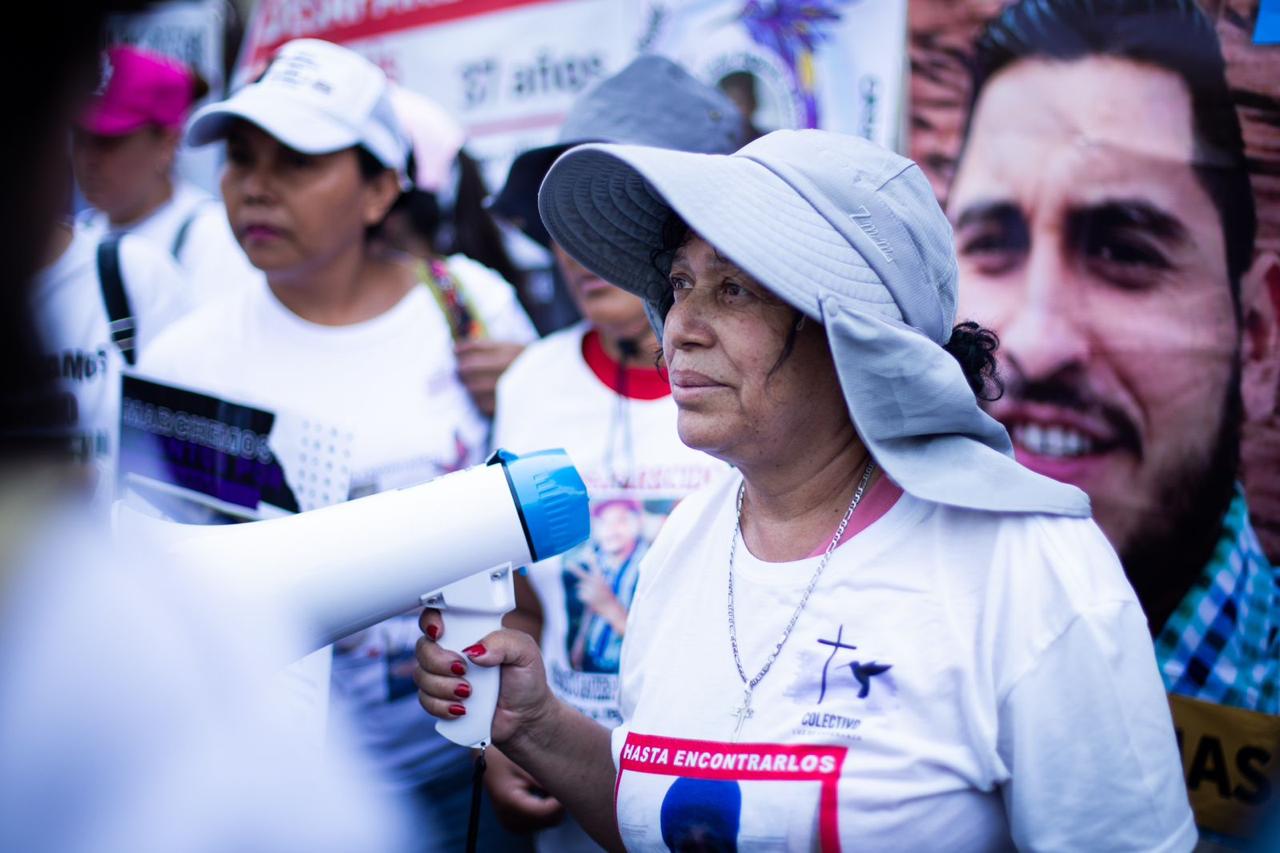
[(570, 754)]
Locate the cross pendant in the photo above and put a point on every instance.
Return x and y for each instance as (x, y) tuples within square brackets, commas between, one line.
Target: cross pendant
[(743, 713)]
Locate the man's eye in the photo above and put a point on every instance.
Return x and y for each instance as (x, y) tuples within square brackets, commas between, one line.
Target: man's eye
[(295, 160), (237, 155), (991, 252), (1126, 252)]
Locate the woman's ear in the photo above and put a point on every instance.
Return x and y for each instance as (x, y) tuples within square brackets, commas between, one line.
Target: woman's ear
[(381, 193), (167, 142)]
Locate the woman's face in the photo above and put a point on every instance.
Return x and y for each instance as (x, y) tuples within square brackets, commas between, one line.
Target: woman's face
[(722, 342), (293, 212), (608, 308), (124, 176)]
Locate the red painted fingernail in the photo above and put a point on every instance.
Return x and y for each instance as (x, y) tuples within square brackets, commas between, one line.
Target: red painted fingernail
[(458, 668), (457, 710), (474, 651), (462, 691), (433, 631)]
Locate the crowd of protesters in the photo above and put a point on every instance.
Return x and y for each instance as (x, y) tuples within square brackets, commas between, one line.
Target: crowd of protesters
[(902, 607)]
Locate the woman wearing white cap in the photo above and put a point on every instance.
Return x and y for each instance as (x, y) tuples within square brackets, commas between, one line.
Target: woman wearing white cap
[(964, 668), (347, 333)]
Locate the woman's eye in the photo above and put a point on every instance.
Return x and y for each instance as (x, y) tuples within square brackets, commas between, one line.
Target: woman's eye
[(678, 284), (735, 291)]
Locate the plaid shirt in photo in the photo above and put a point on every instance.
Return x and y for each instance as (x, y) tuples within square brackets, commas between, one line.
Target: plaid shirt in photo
[(1221, 644)]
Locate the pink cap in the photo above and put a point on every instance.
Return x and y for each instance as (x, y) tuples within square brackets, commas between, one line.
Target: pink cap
[(139, 89)]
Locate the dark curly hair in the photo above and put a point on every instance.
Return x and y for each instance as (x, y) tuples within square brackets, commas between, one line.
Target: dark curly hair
[(971, 345), (975, 348)]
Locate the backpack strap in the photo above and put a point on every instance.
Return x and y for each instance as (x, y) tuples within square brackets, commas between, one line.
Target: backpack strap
[(184, 230), (464, 322), (120, 320)]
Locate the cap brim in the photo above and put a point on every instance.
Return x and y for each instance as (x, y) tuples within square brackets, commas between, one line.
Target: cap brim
[(300, 128), (517, 201), (606, 206)]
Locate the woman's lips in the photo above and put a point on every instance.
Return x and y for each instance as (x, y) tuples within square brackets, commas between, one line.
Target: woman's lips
[(689, 385), (260, 233)]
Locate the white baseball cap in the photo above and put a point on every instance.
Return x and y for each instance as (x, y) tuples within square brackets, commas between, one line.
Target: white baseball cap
[(315, 97)]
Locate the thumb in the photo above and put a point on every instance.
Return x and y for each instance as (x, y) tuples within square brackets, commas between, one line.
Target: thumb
[(503, 647)]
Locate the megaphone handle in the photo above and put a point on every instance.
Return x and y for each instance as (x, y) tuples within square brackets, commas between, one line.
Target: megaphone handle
[(462, 629)]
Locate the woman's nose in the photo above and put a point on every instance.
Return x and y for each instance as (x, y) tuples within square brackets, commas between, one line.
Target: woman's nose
[(689, 323)]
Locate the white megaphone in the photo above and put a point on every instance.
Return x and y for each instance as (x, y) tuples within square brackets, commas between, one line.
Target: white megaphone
[(451, 543)]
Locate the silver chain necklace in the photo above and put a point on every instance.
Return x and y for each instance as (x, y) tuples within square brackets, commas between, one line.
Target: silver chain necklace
[(743, 712)]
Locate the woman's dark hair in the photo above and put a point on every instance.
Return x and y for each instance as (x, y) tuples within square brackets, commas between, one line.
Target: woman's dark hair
[(463, 226), (371, 167), (975, 348), (475, 234)]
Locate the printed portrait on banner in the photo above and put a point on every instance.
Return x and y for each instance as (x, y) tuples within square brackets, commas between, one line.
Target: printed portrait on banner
[(1111, 171)]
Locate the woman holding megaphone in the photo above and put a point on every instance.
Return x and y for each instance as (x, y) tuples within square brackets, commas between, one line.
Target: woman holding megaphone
[(878, 631)]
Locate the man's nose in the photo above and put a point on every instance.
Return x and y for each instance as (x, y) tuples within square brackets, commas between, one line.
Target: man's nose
[(1050, 328)]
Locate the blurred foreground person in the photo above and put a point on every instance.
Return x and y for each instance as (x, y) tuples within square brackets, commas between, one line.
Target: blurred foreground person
[(155, 741), (342, 330), (968, 670), (124, 149)]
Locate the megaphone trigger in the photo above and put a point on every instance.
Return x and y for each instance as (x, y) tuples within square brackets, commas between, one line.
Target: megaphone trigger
[(474, 607)]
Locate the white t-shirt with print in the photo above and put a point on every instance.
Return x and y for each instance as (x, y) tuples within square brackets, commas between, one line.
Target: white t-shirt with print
[(209, 254), (391, 382), (71, 319), (959, 680)]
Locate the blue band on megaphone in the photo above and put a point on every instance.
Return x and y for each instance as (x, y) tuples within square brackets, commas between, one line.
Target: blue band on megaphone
[(551, 499)]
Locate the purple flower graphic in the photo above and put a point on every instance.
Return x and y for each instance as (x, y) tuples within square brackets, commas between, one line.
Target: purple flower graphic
[(793, 29)]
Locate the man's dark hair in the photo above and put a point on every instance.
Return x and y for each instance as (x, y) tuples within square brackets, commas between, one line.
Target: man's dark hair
[(1171, 34)]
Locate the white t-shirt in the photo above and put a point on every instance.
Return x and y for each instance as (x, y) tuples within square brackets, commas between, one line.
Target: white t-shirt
[(71, 318), (958, 681), (165, 741), (391, 382), (192, 227), (636, 469)]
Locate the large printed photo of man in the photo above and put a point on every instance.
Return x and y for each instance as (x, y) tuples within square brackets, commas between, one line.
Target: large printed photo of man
[(1098, 183)]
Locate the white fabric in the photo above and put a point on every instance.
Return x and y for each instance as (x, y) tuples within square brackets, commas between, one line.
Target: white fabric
[(391, 382), (1011, 694), (71, 320), (209, 255), (657, 470), (159, 739)]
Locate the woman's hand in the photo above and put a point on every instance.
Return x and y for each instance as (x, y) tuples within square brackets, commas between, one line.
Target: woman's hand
[(519, 801), (480, 366), (595, 592), (524, 699)]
